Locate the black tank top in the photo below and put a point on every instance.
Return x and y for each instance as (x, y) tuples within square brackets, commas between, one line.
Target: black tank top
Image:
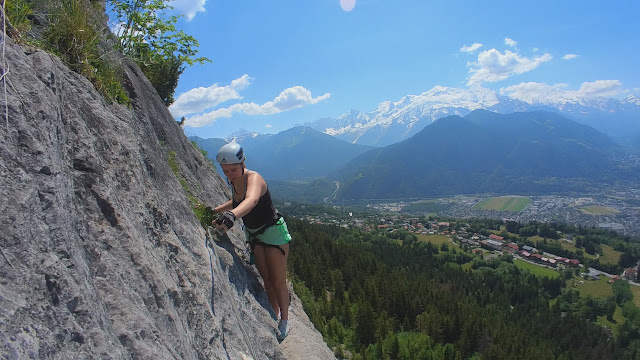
[(263, 212)]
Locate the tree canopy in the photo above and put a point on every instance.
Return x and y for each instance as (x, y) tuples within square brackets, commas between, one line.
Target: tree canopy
[(385, 298), (148, 34)]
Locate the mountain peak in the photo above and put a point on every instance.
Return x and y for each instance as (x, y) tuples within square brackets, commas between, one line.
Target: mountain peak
[(241, 134), (631, 99), (481, 152), (394, 121), (351, 114)]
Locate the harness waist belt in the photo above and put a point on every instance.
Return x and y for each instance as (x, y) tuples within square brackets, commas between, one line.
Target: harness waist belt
[(253, 236)]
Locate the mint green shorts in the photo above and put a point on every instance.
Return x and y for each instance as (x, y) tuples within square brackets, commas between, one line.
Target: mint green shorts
[(277, 234)]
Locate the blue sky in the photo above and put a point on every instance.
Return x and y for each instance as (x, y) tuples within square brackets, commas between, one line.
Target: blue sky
[(280, 63)]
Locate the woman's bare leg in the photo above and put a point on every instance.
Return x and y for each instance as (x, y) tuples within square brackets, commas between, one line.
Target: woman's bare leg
[(277, 285), (262, 265)]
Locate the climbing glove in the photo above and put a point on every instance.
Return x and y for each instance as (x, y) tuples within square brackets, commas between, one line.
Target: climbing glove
[(226, 219)]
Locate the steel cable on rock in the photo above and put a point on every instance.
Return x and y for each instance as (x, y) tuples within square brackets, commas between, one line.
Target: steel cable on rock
[(209, 244), (4, 65)]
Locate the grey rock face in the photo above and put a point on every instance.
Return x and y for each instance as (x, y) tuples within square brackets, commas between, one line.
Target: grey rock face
[(101, 255)]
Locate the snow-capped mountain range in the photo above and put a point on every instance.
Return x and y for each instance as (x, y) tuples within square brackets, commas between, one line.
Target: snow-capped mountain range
[(392, 122), (241, 134)]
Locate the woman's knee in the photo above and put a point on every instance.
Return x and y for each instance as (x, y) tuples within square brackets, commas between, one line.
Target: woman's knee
[(275, 282), (268, 281), (279, 284)]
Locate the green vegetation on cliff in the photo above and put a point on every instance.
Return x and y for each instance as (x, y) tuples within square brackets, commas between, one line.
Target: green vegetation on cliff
[(77, 32)]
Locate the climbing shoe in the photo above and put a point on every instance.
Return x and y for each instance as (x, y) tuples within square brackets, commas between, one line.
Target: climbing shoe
[(284, 326)]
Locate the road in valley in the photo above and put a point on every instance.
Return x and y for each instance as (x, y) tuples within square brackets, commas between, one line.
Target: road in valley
[(334, 192)]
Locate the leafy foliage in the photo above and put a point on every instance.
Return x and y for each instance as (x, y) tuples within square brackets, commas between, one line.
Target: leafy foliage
[(622, 292), (162, 71), (149, 36), (108, 80), (205, 214)]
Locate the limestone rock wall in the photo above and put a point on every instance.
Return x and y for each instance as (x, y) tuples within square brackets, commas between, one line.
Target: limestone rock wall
[(101, 255)]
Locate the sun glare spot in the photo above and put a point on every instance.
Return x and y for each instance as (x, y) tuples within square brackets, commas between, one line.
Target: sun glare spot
[(347, 5)]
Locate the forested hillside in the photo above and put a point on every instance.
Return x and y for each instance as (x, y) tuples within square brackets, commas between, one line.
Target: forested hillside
[(532, 153), (381, 295)]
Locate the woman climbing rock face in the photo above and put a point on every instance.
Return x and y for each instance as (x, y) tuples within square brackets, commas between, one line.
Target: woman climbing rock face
[(264, 228)]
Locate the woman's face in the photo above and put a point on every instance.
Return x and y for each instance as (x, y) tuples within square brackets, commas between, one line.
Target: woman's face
[(232, 171)]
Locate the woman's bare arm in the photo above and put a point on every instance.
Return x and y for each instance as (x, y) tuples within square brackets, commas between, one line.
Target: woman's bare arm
[(224, 207), (255, 188)]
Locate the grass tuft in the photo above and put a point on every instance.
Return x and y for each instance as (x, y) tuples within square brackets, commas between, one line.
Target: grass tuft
[(18, 13), (203, 213), (72, 36)]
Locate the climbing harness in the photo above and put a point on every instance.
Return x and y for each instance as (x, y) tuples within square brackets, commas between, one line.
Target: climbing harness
[(211, 246), (253, 236)]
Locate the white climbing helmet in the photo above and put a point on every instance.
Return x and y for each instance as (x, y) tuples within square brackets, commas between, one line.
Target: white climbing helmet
[(230, 153)]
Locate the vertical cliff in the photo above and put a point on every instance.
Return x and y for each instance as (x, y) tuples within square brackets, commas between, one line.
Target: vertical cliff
[(101, 254)]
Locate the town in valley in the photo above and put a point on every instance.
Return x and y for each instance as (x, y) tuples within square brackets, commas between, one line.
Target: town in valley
[(620, 213)]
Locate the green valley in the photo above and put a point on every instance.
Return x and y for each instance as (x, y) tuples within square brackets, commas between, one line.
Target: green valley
[(391, 286)]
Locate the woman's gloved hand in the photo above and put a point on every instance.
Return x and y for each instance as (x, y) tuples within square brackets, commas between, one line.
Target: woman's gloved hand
[(225, 220)]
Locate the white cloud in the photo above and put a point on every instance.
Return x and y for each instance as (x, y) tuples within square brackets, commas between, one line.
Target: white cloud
[(569, 56), (295, 97), (510, 42), (189, 7), (471, 48), (600, 88), (241, 82), (538, 93), (200, 99), (289, 99), (208, 118), (493, 66), (268, 126), (347, 5), (533, 92)]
